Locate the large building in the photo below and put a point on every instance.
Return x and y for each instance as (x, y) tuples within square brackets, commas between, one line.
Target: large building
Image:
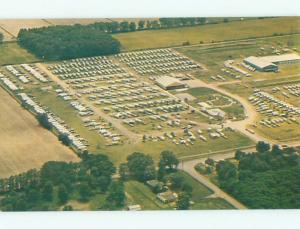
[(270, 63), (170, 83)]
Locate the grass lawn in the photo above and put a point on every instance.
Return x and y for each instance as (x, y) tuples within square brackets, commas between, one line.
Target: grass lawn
[(212, 204), (208, 33), (139, 193), (233, 109), (199, 190), (12, 53)]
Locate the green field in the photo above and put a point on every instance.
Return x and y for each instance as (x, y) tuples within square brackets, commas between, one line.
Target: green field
[(212, 204), (138, 193), (214, 55), (12, 53), (202, 94), (207, 33)]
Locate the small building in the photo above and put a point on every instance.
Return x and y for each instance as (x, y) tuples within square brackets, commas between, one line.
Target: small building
[(204, 105), (167, 197), (155, 185), (135, 207), (270, 63), (216, 112), (170, 83)]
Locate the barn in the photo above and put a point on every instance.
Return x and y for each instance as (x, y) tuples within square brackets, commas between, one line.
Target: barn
[(170, 83), (270, 63)]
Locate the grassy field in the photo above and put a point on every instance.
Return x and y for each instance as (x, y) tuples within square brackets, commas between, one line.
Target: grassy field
[(119, 153), (213, 57), (208, 33), (24, 143), (12, 53), (212, 204), (138, 193), (232, 109)]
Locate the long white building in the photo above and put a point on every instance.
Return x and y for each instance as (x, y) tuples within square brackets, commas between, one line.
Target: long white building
[(270, 63)]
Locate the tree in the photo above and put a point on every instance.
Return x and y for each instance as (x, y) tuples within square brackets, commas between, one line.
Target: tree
[(70, 41), (141, 25), (132, 26), (276, 150), (47, 192), (226, 170), (183, 202), (210, 162), (124, 171), (262, 147), (84, 191), (124, 26), (225, 20), (43, 121), (239, 155), (63, 195), (176, 180), (68, 208), (141, 166), (64, 138), (1, 37), (116, 194), (168, 161)]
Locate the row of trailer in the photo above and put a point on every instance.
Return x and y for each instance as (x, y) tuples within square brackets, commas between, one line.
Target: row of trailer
[(56, 122), (159, 61)]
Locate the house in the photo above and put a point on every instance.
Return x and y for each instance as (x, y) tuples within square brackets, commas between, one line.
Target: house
[(135, 207), (155, 185), (170, 83), (167, 197)]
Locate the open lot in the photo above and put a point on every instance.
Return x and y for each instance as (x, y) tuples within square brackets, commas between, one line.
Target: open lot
[(24, 143), (12, 53), (208, 33)]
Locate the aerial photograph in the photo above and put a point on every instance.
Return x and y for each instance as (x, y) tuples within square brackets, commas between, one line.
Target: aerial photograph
[(138, 114)]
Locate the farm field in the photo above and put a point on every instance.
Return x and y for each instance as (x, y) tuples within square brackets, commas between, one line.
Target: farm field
[(24, 144), (208, 33), (12, 53), (14, 25)]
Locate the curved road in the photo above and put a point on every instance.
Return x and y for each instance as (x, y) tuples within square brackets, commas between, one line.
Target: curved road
[(189, 167)]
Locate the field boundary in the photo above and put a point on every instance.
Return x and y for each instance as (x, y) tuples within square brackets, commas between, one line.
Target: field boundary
[(196, 156), (13, 96)]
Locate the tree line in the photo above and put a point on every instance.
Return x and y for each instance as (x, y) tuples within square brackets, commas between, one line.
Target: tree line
[(57, 182), (67, 42), (51, 187), (266, 179), (161, 23)]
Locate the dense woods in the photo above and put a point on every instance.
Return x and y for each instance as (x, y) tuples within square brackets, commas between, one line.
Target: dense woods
[(66, 42), (266, 179)]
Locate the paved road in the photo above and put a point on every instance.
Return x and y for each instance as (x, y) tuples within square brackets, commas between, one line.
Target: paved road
[(189, 167)]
